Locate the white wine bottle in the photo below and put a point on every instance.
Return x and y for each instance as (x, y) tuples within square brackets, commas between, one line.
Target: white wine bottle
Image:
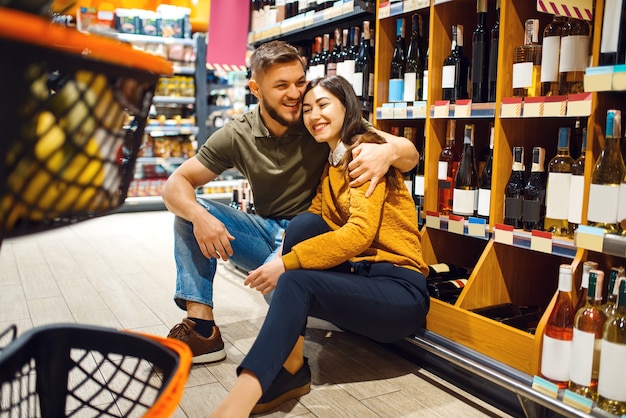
[(557, 189), (611, 387), (466, 180), (606, 177)]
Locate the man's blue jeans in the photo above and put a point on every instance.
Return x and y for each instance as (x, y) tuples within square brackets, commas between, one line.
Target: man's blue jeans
[(257, 239)]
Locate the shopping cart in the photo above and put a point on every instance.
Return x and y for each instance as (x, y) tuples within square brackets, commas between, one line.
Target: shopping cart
[(72, 113)]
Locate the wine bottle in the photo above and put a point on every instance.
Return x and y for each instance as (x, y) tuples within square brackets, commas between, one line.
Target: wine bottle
[(345, 46), (550, 49), (396, 74), (418, 183), (556, 350), (557, 189), (494, 41), (364, 66), (441, 272), (586, 340), (447, 291), (480, 50), (606, 177), (425, 77), (455, 71), (613, 41), (574, 57), (466, 180), (534, 208), (234, 203), (514, 191), (577, 185), (527, 63), (446, 170), (612, 291), (584, 284), (484, 183), (414, 70), (350, 54), (312, 71), (333, 56), (322, 64), (611, 387)]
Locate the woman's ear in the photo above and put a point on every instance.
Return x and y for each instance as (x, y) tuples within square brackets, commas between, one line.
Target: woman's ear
[(254, 88)]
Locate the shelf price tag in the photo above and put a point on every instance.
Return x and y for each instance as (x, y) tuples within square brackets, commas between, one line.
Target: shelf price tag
[(546, 387), (533, 107), (442, 109), (387, 111), (555, 106), (589, 238), (511, 107), (463, 108), (598, 78), (384, 10), (541, 241), (432, 220), (456, 224), (579, 104), (399, 110), (347, 7), (476, 227), (503, 234), (578, 9), (577, 401), (619, 78), (418, 110)]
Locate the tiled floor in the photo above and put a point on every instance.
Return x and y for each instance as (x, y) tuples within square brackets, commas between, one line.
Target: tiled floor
[(118, 271)]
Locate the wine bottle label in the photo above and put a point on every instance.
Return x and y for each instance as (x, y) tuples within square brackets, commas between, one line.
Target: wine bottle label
[(440, 268), (410, 85), (621, 206), (370, 85), (575, 208), (557, 195), (484, 198), (574, 53), (555, 358), (442, 170), (581, 366), (612, 371), (603, 200), (396, 89), (531, 210), (513, 207), (550, 59), (425, 84), (358, 84), (347, 70), (611, 26), (522, 75), (447, 77), (463, 203), (418, 186)]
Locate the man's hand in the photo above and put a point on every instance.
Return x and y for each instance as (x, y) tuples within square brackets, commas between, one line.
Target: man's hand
[(265, 278), (371, 162), (213, 237)]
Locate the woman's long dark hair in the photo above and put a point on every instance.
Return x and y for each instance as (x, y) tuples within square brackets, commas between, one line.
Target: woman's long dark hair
[(354, 131)]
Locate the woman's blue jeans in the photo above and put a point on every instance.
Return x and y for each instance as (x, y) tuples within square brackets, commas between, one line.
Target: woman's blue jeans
[(257, 239)]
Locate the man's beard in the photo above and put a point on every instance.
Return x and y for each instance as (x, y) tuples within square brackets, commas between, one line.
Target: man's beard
[(273, 113)]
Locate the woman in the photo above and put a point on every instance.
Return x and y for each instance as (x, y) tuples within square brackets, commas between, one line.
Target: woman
[(352, 260)]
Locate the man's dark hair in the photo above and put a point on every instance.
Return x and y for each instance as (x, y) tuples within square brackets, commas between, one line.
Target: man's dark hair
[(271, 53)]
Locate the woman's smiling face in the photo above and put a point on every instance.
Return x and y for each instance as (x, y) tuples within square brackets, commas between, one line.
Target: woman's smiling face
[(323, 115)]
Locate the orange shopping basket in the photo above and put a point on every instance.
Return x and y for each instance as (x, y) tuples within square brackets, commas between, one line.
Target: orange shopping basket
[(69, 370)]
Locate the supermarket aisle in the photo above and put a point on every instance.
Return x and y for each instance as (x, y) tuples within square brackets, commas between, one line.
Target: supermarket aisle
[(118, 271)]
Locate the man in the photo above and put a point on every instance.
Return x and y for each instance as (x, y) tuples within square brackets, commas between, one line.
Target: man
[(283, 164)]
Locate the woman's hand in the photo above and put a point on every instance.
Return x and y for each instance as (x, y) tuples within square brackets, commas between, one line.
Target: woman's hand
[(371, 162), (265, 278)]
